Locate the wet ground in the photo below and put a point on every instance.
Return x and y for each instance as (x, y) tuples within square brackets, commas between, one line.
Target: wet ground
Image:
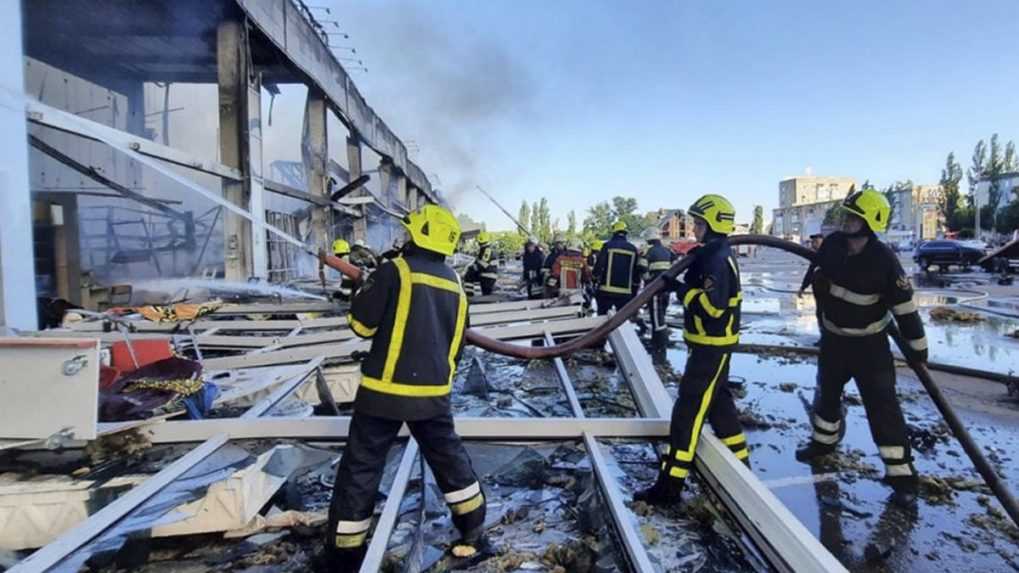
[(841, 499)]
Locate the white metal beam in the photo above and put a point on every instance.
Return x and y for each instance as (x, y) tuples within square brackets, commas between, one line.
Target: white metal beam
[(391, 511), (329, 428), (788, 545), (17, 268)]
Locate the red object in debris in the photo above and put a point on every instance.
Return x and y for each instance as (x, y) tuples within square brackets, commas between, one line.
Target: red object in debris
[(683, 247), (145, 351), (107, 376)]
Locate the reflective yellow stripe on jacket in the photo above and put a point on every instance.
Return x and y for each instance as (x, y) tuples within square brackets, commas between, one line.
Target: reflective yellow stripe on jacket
[(407, 281)]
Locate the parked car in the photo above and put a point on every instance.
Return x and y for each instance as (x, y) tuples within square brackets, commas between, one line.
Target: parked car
[(943, 254)]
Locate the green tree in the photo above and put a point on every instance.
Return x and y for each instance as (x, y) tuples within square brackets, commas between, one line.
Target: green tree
[(544, 229), (757, 226), (571, 224), (976, 170), (599, 220), (535, 222), (508, 242), (948, 201), (524, 216), (994, 169), (625, 209), (1011, 163)]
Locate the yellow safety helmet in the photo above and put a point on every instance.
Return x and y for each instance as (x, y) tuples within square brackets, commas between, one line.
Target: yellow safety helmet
[(341, 247), (484, 238), (433, 228), (716, 211), (619, 226), (597, 245), (870, 205)]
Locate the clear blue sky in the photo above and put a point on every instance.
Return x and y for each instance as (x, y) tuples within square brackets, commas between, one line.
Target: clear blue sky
[(581, 100)]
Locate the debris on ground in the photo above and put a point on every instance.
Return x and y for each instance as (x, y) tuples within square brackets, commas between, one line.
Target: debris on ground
[(949, 314), (120, 446), (788, 386), (936, 490)]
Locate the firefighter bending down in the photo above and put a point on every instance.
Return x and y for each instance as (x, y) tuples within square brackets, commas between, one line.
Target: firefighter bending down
[(483, 270), (617, 272), (711, 297), (860, 286), (415, 311)]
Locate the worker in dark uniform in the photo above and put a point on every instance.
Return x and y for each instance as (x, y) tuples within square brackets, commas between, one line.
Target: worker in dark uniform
[(816, 240), (861, 286), (532, 261), (617, 271), (596, 247), (558, 246), (657, 259), (711, 297), (592, 260), (483, 270), (362, 256), (341, 250), (415, 312)]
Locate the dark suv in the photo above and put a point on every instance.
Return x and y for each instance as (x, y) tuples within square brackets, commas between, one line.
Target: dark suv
[(945, 253)]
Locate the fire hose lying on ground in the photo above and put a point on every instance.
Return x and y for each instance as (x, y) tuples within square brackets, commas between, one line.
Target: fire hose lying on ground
[(597, 336)]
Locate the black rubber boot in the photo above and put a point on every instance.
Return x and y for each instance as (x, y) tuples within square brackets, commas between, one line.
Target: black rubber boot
[(904, 490), (813, 450), (470, 551), (337, 560), (666, 492)]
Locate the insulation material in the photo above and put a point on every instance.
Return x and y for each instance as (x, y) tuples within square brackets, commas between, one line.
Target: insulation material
[(342, 380)]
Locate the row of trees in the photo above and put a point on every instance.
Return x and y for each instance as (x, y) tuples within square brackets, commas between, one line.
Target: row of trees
[(988, 162)]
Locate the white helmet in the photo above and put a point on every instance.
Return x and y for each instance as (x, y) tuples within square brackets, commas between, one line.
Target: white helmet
[(652, 234), (360, 243)]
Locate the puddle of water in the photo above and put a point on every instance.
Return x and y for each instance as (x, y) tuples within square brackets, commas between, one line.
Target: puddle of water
[(846, 505)]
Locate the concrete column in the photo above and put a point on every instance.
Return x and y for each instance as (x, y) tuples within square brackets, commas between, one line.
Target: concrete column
[(240, 144), (354, 167), (17, 272), (321, 217), (401, 189)]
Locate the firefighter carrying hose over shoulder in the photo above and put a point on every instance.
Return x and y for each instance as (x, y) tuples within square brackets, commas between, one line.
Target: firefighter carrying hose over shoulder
[(860, 287), (414, 310), (657, 259), (711, 297), (617, 271), (484, 269)]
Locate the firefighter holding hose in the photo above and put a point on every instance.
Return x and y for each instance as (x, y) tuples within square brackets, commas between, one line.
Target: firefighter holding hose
[(860, 286), (711, 297), (414, 310)]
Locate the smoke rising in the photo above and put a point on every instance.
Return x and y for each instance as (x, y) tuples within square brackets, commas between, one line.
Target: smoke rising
[(447, 92)]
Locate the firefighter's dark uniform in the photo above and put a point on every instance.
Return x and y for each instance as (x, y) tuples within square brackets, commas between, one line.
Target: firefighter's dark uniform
[(657, 260), (617, 273), (711, 295), (532, 272), (483, 270), (859, 295), (415, 311)]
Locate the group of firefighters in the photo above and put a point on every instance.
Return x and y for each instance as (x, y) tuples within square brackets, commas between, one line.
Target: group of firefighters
[(414, 309)]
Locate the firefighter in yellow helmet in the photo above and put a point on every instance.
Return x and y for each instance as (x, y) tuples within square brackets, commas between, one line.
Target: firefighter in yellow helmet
[(711, 295), (617, 271), (484, 269), (341, 249), (414, 310), (860, 286), (657, 259)]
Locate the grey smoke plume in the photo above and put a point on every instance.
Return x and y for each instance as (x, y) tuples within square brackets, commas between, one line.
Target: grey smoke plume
[(446, 93)]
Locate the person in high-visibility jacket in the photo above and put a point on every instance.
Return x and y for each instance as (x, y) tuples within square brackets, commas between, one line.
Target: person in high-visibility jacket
[(711, 297), (414, 310), (657, 259), (861, 286), (341, 250), (617, 271), (484, 269), (570, 270)]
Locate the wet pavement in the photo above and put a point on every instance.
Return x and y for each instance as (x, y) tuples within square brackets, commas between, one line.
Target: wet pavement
[(841, 499)]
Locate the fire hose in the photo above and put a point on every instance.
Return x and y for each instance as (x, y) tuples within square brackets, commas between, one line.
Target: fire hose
[(598, 334)]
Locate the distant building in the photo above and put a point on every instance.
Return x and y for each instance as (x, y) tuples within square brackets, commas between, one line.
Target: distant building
[(916, 215), (674, 225), (803, 202), (1008, 183)]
